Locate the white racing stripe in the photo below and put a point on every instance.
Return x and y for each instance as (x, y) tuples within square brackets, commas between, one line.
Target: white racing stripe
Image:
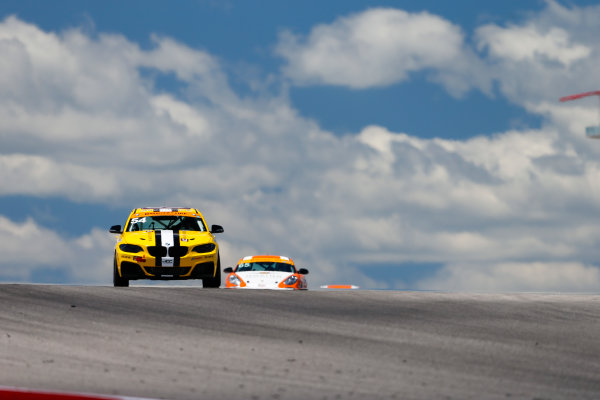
[(167, 241)]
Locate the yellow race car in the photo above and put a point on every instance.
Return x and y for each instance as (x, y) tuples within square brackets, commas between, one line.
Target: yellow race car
[(166, 243)]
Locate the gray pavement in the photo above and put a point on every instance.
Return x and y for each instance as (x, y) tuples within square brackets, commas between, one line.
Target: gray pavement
[(192, 343)]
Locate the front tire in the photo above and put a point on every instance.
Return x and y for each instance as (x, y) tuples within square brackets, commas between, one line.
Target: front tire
[(216, 281), (118, 281)]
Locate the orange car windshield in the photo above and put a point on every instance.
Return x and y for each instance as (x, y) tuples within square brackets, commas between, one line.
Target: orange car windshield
[(265, 266), (166, 222)]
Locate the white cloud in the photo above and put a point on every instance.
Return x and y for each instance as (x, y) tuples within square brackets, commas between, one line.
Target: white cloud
[(37, 175), (28, 248), (378, 47), (480, 200), (528, 277), (80, 121), (527, 43), (382, 46), (549, 55)]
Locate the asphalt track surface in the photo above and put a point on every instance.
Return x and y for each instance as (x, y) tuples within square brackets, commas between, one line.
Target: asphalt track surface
[(192, 343)]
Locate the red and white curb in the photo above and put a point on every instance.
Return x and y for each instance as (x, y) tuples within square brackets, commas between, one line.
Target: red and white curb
[(339, 287), (12, 393)]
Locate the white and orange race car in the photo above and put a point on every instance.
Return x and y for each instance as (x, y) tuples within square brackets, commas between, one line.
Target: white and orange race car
[(266, 272)]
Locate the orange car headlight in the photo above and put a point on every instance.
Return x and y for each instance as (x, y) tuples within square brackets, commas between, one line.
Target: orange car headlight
[(291, 280), (234, 280)]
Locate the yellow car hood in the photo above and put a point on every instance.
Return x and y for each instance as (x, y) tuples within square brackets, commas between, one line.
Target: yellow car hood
[(186, 238)]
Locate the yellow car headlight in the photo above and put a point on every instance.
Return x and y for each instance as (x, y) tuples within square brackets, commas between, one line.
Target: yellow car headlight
[(204, 248), (130, 248)]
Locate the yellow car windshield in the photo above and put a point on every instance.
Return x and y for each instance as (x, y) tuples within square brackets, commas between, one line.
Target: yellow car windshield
[(166, 222)]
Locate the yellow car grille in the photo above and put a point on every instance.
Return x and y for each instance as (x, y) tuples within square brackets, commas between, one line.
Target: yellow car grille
[(162, 251)]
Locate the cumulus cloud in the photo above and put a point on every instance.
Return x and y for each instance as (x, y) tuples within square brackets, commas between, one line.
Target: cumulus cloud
[(457, 200), (555, 46), (80, 120), (379, 47), (383, 46), (527, 43), (527, 277), (28, 249)]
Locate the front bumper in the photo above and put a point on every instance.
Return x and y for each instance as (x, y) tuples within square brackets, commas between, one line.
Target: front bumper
[(133, 271)]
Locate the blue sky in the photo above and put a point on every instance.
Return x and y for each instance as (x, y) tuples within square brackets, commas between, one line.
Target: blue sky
[(243, 34), (398, 144)]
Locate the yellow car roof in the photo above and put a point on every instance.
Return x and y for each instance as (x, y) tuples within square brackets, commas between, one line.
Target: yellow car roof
[(149, 211)]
